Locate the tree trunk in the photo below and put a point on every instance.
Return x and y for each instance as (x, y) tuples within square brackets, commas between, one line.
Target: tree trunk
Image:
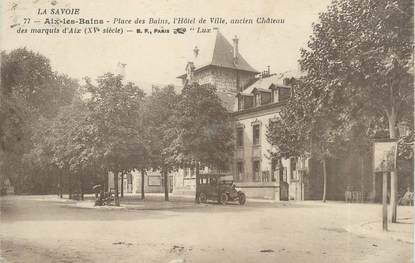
[(60, 184), (106, 178), (142, 184), (362, 177), (324, 179), (81, 182), (197, 181), (70, 185), (166, 184), (394, 174), (117, 199), (384, 201), (122, 185)]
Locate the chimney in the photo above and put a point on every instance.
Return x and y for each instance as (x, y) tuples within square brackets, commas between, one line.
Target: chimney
[(121, 69), (235, 49), (196, 51), (189, 71)]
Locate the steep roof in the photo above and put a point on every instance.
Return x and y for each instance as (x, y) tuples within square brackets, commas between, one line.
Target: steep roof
[(223, 55), (215, 50), (268, 82)]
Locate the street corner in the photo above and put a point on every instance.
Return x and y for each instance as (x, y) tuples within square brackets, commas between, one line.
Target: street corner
[(402, 231)]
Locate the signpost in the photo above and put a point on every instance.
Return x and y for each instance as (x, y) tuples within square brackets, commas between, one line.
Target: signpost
[(384, 161)]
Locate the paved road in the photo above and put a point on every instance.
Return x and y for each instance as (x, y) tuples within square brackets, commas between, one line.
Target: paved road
[(43, 229)]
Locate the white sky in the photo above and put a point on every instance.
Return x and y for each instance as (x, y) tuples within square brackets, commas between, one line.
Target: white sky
[(160, 59)]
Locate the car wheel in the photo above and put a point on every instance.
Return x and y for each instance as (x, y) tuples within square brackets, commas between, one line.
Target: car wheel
[(223, 198), (202, 198), (242, 198)]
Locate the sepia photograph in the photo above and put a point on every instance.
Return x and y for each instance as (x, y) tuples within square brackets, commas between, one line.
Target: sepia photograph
[(181, 131)]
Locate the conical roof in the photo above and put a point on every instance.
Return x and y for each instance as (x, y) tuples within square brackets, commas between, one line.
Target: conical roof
[(222, 55)]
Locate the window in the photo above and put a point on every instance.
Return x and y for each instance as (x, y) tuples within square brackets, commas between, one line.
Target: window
[(255, 170), (240, 103), (257, 99), (240, 136), (274, 169), (265, 98), (276, 95), (255, 134), (284, 174), (239, 170), (248, 102), (293, 164), (265, 176)]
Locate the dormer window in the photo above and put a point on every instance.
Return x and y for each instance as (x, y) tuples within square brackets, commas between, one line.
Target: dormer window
[(248, 102), (240, 103), (265, 98), (262, 97), (257, 99), (276, 95)]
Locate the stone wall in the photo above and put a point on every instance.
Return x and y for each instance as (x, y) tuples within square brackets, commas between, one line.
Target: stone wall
[(224, 79)]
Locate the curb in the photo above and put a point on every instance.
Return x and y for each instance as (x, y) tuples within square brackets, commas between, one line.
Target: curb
[(91, 205), (359, 229)]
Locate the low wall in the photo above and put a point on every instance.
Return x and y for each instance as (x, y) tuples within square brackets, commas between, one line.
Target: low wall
[(260, 190), (255, 190)]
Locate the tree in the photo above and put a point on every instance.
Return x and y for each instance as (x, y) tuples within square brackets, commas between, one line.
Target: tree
[(204, 129), (72, 139), (30, 90), (118, 141), (310, 124), (160, 122), (363, 49)]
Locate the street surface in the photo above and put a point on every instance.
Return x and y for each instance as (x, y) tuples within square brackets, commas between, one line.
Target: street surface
[(46, 229)]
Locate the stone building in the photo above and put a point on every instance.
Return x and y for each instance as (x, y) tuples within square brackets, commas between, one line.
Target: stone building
[(253, 99), (254, 170), (214, 60), (217, 62)]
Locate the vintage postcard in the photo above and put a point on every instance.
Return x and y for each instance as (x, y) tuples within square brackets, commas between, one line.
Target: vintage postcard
[(207, 131)]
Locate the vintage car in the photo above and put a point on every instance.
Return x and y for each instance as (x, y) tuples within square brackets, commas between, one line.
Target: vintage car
[(218, 187)]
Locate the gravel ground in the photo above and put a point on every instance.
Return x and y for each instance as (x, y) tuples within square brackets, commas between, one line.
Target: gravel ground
[(43, 229)]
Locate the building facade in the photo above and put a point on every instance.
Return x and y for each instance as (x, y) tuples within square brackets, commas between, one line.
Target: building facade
[(254, 100), (215, 61), (130, 183), (254, 170)]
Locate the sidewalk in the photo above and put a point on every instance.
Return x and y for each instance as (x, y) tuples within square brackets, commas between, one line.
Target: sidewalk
[(134, 202), (402, 231), (153, 201)]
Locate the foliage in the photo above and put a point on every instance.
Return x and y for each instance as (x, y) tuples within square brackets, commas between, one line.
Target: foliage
[(358, 65), (30, 91), (116, 114), (204, 128), (308, 124), (361, 53), (160, 121)]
